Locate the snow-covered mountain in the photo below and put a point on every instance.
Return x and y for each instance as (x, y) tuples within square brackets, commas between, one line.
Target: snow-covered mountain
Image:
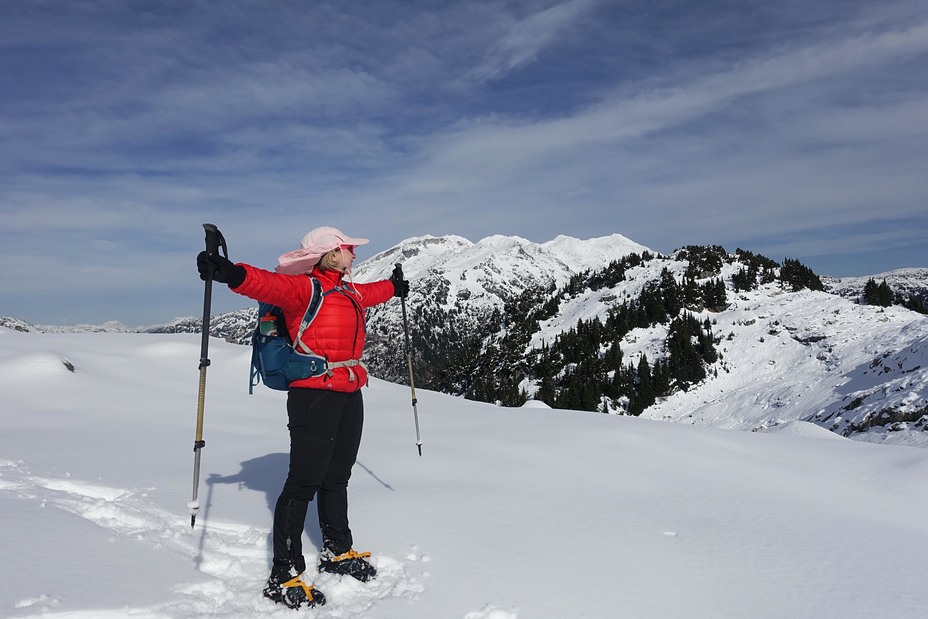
[(494, 270), (783, 353), (107, 327)]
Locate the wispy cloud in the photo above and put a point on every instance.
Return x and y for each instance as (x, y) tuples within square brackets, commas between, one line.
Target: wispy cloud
[(785, 127), (524, 39), (782, 140)]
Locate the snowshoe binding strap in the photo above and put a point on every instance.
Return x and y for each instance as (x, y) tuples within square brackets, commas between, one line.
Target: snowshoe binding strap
[(351, 563), (351, 554), (295, 593)]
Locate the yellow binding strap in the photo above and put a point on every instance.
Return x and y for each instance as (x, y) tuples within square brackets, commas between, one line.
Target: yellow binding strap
[(352, 554), (299, 582)]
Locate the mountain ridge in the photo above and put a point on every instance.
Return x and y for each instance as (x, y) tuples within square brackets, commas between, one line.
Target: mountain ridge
[(781, 353)]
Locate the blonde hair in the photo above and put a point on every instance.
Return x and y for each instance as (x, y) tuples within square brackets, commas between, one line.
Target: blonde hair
[(330, 260), (333, 260)]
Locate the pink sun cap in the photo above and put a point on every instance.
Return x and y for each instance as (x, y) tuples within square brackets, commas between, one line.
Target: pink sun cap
[(315, 244)]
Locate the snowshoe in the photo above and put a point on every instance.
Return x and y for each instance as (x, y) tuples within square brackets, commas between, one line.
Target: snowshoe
[(293, 593), (351, 563)]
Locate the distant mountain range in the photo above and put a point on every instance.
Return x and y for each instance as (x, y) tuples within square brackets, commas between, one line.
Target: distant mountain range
[(593, 323)]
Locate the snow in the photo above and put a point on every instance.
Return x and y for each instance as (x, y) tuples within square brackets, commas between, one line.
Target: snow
[(592, 253), (495, 268), (508, 514), (788, 356)]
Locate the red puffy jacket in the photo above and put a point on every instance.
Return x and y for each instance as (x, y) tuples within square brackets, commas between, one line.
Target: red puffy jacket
[(338, 331)]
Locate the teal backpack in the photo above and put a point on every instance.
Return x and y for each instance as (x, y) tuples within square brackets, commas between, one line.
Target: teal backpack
[(275, 360)]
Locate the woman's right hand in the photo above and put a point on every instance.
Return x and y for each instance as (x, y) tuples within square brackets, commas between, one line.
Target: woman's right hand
[(220, 269)]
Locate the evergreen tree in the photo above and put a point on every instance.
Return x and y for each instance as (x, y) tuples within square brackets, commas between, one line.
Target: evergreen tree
[(798, 276), (707, 344), (613, 358), (694, 297), (660, 378), (743, 281), (670, 293), (878, 294), (546, 391), (645, 393), (915, 303), (652, 306), (685, 362), (623, 383), (704, 261), (716, 299)]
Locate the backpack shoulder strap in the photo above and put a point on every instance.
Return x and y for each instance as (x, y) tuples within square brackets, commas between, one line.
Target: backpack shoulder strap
[(312, 310)]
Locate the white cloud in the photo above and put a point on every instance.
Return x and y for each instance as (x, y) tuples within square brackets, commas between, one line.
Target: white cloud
[(525, 39)]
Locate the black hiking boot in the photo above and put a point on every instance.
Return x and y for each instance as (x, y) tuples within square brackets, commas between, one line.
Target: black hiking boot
[(351, 563), (291, 591)]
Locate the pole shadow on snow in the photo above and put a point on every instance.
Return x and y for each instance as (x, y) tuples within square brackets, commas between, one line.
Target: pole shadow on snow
[(374, 475)]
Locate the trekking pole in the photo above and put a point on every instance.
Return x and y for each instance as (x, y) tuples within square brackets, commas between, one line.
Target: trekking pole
[(398, 275), (214, 241)]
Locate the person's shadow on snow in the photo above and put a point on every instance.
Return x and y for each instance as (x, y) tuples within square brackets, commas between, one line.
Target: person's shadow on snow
[(267, 474)]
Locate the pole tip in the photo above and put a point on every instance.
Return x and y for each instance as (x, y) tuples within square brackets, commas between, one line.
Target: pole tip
[(194, 507), (419, 446)]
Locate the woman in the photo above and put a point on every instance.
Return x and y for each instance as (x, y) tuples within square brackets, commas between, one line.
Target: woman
[(326, 412)]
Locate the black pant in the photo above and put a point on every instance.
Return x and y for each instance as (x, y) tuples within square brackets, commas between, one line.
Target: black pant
[(325, 433)]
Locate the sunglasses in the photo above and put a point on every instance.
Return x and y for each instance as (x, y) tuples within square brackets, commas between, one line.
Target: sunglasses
[(348, 247)]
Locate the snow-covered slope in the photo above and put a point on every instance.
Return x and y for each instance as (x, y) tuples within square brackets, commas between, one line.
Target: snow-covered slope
[(817, 357), (858, 370), (508, 514)]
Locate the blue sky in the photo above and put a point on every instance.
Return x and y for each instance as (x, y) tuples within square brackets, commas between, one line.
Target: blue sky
[(791, 129)]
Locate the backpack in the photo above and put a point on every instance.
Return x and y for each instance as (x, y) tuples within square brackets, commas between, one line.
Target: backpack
[(275, 360)]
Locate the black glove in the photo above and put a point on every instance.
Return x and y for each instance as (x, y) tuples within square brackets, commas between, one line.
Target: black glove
[(400, 285), (220, 268)]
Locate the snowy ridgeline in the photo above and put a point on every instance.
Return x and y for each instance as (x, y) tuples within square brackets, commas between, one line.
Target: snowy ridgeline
[(508, 514)]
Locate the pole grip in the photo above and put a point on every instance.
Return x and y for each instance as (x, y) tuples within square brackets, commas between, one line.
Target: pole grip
[(215, 240)]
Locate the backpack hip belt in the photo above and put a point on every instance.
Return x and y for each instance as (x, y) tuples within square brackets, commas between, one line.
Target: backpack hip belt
[(350, 363)]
